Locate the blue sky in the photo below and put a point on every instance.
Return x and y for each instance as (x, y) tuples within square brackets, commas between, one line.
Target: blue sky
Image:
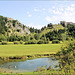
[(38, 13)]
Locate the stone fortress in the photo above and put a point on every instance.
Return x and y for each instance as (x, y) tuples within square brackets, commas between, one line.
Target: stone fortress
[(65, 24)]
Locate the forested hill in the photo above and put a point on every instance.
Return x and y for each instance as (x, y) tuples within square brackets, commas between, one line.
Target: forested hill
[(12, 30), (9, 26)]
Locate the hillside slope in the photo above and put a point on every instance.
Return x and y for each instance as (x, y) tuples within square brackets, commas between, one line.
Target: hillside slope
[(14, 26), (48, 29)]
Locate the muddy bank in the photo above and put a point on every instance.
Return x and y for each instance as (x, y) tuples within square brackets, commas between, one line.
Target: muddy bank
[(28, 65), (5, 70), (2, 59)]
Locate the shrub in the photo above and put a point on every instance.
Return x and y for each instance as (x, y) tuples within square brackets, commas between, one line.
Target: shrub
[(26, 42), (21, 42), (40, 42), (16, 42), (46, 42), (0, 43), (3, 43), (10, 43), (55, 41), (31, 42)]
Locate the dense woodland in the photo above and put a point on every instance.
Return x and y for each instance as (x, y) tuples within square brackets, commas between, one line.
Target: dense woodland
[(36, 36)]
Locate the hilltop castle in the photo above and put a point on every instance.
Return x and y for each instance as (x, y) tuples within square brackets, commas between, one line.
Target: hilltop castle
[(65, 24)]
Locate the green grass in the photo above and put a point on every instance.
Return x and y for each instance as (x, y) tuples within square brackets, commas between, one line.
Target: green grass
[(46, 72), (19, 50)]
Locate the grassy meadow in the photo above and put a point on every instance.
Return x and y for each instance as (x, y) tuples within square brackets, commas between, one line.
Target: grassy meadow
[(20, 50)]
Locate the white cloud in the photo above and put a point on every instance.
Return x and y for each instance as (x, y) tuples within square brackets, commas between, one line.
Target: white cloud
[(53, 7), (29, 15), (43, 9), (48, 19), (35, 26), (56, 12), (70, 8), (66, 13), (36, 9), (27, 12), (72, 5)]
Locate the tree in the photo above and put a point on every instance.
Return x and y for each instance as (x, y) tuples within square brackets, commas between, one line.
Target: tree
[(36, 36), (67, 57), (43, 37), (50, 25)]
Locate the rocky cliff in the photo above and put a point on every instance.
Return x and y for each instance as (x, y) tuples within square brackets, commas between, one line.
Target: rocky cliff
[(15, 27)]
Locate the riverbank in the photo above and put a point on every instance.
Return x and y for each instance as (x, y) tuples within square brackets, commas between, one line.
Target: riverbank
[(23, 52), (25, 57), (12, 52), (38, 64)]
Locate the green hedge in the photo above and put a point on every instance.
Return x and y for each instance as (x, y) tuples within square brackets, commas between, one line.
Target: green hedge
[(21, 42), (4, 43), (31, 42), (40, 42), (16, 42), (55, 41)]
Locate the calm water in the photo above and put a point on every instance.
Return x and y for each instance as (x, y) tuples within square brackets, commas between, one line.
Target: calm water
[(31, 65)]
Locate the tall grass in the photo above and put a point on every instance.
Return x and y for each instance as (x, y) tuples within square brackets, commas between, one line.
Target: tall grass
[(19, 50)]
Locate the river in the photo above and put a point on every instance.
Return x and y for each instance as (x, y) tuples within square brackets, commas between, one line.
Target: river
[(30, 65)]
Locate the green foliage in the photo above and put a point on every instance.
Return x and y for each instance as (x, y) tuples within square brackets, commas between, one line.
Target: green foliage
[(14, 22), (46, 42), (67, 57), (47, 33), (4, 43), (3, 28), (43, 37), (54, 35), (71, 30), (3, 38), (33, 30), (36, 36), (50, 25), (55, 41), (16, 42), (21, 42), (40, 42), (31, 42)]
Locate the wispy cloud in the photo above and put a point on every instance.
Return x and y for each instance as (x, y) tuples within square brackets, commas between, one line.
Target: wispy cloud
[(43, 9), (34, 25), (66, 13), (28, 13), (48, 19), (36, 9)]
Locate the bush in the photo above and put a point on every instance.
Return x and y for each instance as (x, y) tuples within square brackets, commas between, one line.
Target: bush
[(21, 42), (31, 42), (10, 43), (0, 43), (55, 41), (4, 43), (46, 42), (40, 42), (16, 42)]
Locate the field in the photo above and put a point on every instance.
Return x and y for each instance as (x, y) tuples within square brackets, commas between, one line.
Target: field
[(20, 50)]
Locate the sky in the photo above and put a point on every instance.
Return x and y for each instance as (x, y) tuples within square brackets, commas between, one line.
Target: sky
[(38, 13)]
